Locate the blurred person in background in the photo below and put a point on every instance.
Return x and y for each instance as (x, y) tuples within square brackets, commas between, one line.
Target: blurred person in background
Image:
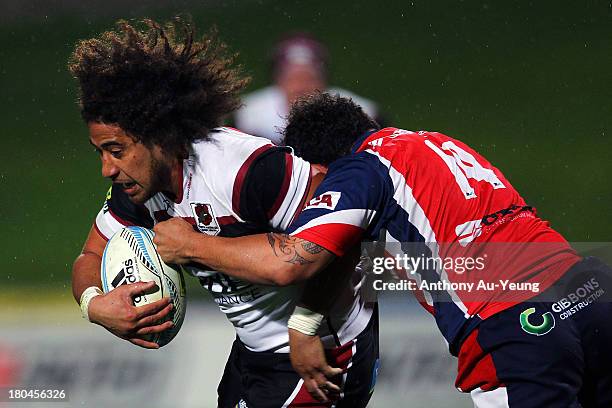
[(153, 98), (299, 67)]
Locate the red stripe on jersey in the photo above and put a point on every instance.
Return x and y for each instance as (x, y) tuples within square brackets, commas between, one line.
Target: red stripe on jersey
[(336, 238), (476, 368), (240, 177), (227, 220), (100, 232), (284, 188), (339, 357), (303, 399)]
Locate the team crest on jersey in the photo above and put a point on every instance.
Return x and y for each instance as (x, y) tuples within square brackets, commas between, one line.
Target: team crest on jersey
[(327, 201), (205, 218)]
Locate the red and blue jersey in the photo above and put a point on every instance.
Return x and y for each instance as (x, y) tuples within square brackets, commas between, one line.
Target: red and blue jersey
[(427, 188)]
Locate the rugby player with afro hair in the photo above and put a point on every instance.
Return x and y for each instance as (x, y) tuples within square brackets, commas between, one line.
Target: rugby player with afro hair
[(147, 92), (160, 83), (153, 97)]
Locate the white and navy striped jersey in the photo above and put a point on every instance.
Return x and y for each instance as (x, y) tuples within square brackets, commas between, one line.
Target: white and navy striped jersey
[(233, 185), (430, 189)]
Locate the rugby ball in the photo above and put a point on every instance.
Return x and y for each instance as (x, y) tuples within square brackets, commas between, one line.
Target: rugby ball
[(130, 256)]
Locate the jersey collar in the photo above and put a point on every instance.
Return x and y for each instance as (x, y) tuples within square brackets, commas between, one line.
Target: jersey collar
[(362, 139)]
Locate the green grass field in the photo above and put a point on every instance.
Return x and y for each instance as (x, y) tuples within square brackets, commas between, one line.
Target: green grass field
[(529, 85)]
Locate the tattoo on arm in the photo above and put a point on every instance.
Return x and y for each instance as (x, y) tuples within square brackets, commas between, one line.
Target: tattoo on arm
[(293, 250), (298, 259), (271, 241), (311, 248)]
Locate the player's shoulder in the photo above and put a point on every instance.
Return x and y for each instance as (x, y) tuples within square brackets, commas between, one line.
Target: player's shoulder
[(227, 142), (229, 159), (227, 154), (425, 143), (358, 161), (359, 168), (390, 141)]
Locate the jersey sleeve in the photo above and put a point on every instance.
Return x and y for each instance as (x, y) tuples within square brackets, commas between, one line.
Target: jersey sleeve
[(346, 204), (119, 212), (274, 188)]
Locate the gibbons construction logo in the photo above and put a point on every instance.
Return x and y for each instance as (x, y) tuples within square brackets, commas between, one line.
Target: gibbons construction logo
[(548, 323)]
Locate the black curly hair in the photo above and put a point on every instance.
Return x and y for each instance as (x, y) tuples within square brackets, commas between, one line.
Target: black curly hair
[(160, 83), (322, 127)]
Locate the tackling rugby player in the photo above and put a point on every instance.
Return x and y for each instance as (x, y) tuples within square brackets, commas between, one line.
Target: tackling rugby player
[(521, 349)]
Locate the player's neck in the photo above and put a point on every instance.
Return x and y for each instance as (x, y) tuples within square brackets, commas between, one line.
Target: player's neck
[(174, 190), (317, 174)]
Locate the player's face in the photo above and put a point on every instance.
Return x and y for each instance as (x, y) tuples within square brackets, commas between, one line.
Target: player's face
[(299, 80), (141, 171)]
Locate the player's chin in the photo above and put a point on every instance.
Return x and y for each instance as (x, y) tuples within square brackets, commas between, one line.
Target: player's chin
[(139, 196)]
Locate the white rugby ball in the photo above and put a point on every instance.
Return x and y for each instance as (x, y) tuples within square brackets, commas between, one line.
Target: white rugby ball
[(130, 256)]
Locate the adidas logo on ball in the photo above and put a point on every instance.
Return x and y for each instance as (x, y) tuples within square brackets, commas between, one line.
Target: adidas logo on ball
[(129, 257)]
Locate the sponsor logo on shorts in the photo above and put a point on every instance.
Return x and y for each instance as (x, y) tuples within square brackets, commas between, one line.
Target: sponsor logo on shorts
[(548, 323), (579, 299)]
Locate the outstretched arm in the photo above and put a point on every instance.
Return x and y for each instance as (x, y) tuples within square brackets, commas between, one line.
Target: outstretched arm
[(270, 259)]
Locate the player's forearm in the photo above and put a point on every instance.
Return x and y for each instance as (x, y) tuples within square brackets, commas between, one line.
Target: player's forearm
[(249, 258), (271, 259), (85, 273)]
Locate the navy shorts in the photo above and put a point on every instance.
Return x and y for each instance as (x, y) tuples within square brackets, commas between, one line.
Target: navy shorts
[(552, 351), (267, 380)]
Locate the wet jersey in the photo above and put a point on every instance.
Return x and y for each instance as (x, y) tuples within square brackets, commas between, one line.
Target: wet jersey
[(233, 185), (427, 188)]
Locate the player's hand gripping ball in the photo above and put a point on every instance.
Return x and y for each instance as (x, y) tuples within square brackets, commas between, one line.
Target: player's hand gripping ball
[(129, 257)]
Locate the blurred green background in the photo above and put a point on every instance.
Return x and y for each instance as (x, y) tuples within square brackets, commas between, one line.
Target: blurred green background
[(528, 84)]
